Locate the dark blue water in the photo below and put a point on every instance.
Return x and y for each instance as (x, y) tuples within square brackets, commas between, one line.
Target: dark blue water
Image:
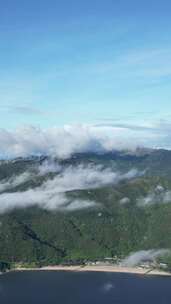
[(85, 288)]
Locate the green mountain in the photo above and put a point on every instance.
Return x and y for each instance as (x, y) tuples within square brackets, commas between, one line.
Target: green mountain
[(130, 212)]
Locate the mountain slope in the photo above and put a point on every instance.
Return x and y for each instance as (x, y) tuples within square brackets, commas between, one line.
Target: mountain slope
[(129, 212)]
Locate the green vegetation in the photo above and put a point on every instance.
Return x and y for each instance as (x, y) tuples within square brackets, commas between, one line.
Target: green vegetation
[(36, 237)]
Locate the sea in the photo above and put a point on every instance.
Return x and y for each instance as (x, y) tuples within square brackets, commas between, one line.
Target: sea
[(63, 287)]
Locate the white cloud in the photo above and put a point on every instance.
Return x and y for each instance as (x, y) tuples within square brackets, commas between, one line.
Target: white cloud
[(52, 193), (81, 177), (14, 181), (138, 257), (62, 142), (80, 204), (124, 200), (45, 197), (158, 196), (49, 166)]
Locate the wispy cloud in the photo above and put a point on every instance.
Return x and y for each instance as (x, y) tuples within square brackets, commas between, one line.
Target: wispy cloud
[(148, 63), (126, 126), (49, 166), (52, 194), (26, 110), (14, 181), (138, 257), (157, 196)]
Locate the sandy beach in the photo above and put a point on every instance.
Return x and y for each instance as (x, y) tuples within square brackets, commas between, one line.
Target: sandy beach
[(98, 268)]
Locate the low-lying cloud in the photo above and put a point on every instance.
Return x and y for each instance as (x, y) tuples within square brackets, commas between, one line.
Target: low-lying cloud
[(49, 166), (139, 257), (42, 197), (53, 193), (14, 181), (158, 196), (124, 200)]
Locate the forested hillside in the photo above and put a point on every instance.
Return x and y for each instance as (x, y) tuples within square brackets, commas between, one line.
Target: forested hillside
[(87, 207)]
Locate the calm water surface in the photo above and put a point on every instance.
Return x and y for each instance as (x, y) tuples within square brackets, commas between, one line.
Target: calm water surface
[(83, 288)]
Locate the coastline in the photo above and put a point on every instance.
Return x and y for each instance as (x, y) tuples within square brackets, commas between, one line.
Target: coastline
[(98, 268)]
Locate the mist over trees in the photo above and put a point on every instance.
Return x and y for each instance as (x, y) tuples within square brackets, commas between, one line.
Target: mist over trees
[(87, 207)]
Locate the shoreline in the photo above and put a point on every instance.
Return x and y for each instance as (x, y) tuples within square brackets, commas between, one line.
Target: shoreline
[(98, 268)]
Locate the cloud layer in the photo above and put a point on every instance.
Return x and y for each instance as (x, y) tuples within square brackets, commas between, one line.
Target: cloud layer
[(62, 142), (52, 194)]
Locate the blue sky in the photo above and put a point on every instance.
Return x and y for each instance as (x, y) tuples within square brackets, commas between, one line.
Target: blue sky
[(68, 62)]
